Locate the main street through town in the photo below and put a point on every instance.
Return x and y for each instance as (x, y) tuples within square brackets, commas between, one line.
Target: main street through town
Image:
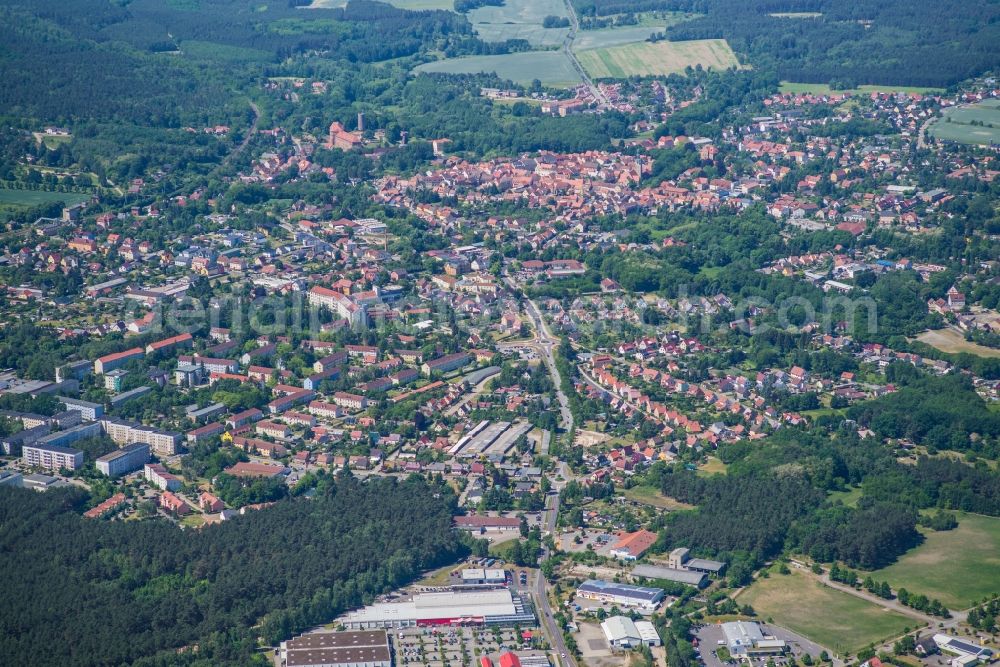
[(543, 343)]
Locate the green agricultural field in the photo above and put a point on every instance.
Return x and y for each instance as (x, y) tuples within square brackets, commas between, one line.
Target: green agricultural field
[(553, 68), (306, 26), (955, 566), (214, 51), (418, 5), (601, 39), (796, 15), (952, 342), (830, 618), (973, 124), (36, 197), (520, 19), (824, 89), (412, 5), (657, 59)]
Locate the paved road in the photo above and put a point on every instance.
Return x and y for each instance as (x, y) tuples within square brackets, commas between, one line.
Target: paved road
[(543, 607), (246, 140), (922, 132), (568, 49), (546, 342)]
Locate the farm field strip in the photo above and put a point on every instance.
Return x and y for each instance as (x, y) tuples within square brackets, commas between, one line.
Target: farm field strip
[(973, 124), (36, 197), (952, 342), (660, 58), (824, 89), (519, 19), (551, 67)]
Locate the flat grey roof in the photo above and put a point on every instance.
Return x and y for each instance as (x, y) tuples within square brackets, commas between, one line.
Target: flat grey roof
[(55, 449), (669, 574), (331, 648), (621, 590), (124, 451), (705, 564)]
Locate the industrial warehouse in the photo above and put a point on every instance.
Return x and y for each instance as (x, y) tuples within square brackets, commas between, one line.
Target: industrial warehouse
[(338, 649), (494, 607), (621, 594)]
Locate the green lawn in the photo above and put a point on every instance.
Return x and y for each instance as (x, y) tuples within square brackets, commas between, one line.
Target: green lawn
[(956, 566), (439, 577), (849, 497), (823, 412), (713, 467), (824, 89), (647, 495), (835, 620), (36, 197)]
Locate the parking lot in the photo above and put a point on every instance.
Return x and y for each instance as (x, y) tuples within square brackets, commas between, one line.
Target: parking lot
[(437, 647), (709, 637)]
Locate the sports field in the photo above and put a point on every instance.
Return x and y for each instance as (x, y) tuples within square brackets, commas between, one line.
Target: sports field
[(656, 59), (830, 618), (519, 19), (36, 197), (955, 566), (952, 342), (552, 68), (972, 124)]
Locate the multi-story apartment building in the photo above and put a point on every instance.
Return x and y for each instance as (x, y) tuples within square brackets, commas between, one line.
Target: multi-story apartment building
[(87, 410), (70, 435), (124, 460), (52, 457), (125, 433), (110, 362), (158, 476)]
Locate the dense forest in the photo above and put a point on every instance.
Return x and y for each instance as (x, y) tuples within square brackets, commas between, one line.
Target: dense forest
[(85, 592), (942, 412), (774, 498), (922, 43), (161, 64)]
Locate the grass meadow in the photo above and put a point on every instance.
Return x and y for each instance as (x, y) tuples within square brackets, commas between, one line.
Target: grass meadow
[(830, 618), (957, 566)]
